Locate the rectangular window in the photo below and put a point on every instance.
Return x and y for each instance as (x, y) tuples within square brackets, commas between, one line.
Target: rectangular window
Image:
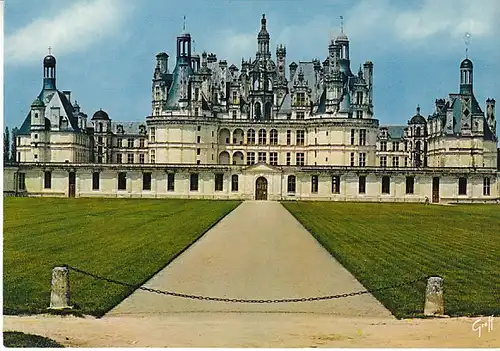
[(353, 132), (486, 186), (152, 157), (352, 159), (383, 146), (336, 184), (95, 180), (234, 182), (47, 180), (170, 181), (362, 137), (273, 158), (262, 137), (289, 137), (146, 181), (406, 161), (301, 99), (410, 185), (198, 151), (141, 142), (362, 184), (122, 181), (250, 158), (386, 185), (196, 111), (99, 139), (219, 182), (235, 97), (395, 161), (198, 128), (251, 137), (21, 181), (262, 157), (406, 146), (383, 161), (288, 158), (130, 158), (118, 158), (462, 186), (152, 133), (300, 159), (273, 137), (130, 143), (300, 137), (359, 97), (141, 158), (362, 159), (198, 139), (359, 114), (314, 184), (196, 94), (233, 114), (119, 142), (300, 115), (395, 146), (193, 182)]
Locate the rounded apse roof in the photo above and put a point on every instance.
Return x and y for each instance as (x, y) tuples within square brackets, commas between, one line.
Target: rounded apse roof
[(100, 115), (466, 64), (49, 61)]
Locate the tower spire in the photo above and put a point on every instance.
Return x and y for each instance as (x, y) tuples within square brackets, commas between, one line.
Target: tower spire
[(341, 24), (184, 24), (50, 50), (467, 37)]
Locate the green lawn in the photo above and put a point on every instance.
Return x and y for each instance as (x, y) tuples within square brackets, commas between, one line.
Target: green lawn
[(382, 244), (18, 339), (124, 239)]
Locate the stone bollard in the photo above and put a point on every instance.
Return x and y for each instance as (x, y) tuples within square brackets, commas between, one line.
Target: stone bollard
[(59, 295), (434, 301)]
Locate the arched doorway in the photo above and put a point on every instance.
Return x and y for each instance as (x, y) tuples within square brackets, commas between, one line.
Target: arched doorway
[(72, 184), (261, 189)]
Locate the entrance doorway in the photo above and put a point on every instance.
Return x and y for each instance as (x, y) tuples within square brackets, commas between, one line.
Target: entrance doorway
[(435, 189), (72, 184), (261, 189)]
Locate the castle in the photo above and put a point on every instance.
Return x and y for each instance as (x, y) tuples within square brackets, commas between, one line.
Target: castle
[(264, 130)]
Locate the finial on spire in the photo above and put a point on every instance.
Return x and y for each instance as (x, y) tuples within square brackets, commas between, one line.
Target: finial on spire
[(467, 37), (418, 109), (341, 24), (194, 50), (184, 24), (50, 49)]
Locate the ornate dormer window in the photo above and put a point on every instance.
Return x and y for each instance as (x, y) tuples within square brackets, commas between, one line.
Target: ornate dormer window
[(119, 129)]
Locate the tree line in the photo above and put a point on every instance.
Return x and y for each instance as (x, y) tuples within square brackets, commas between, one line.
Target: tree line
[(9, 145)]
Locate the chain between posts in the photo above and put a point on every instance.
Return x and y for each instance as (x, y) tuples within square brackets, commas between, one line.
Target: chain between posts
[(238, 300)]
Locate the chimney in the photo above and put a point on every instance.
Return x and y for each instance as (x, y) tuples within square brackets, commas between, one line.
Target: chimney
[(67, 93)]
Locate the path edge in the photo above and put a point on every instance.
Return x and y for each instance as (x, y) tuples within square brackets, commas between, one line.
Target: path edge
[(202, 234)]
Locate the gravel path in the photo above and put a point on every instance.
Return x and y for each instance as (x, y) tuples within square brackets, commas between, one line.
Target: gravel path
[(258, 251)]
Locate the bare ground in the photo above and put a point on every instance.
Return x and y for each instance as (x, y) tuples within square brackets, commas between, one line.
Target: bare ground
[(274, 330)]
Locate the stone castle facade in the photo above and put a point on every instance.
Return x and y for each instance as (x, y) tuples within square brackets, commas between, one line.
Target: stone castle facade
[(264, 130)]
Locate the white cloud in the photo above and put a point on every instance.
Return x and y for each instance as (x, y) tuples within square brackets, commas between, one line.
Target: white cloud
[(73, 29), (434, 21)]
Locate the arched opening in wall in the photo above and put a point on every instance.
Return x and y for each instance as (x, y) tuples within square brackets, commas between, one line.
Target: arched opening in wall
[(100, 127), (224, 158), (291, 184), (273, 137), (238, 158), (224, 137), (261, 189), (71, 184), (257, 112), (417, 133), (238, 137), (267, 111)]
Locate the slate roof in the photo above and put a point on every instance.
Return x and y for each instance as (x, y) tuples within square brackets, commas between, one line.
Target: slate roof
[(129, 128), (394, 132)]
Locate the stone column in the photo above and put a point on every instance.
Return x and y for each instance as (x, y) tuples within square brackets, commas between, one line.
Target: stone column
[(434, 302), (59, 296)]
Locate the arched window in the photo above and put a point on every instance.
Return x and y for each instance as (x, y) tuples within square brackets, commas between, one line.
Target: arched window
[(234, 182), (100, 127), (273, 137), (251, 137), (291, 184), (417, 132), (262, 137), (257, 111), (267, 112), (417, 146)]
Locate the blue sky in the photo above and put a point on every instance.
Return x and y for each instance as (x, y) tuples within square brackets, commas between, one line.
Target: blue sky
[(106, 49)]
